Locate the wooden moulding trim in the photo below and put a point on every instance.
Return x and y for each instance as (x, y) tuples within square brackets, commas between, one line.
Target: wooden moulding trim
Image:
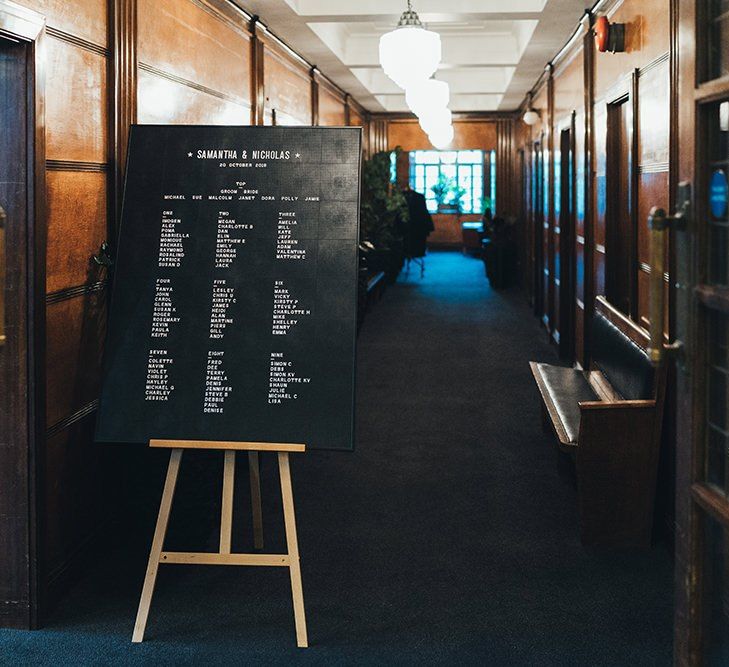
[(73, 165), (654, 168), (78, 41), (273, 42), (314, 97), (330, 87), (631, 329), (656, 62), (257, 78), (539, 85), (710, 91), (714, 297), (475, 116), (73, 418), (123, 100), (226, 12), (635, 102), (79, 290), (283, 57), (571, 49), (358, 108), (618, 405), (151, 69), (713, 501), (347, 110), (242, 446), (646, 268), (271, 38)]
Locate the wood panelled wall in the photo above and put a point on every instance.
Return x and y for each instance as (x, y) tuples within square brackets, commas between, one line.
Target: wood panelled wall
[(594, 108), (110, 63), (575, 99)]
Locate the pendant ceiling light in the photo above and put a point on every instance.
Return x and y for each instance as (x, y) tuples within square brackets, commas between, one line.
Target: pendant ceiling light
[(410, 53), (435, 119), (422, 95), (442, 137)]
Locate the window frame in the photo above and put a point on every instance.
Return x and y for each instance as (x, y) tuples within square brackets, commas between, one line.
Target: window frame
[(427, 165)]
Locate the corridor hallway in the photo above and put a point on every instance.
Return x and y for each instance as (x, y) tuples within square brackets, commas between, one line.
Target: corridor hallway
[(449, 536)]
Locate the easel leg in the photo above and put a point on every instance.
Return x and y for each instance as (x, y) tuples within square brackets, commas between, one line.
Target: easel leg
[(255, 476), (226, 513), (293, 549), (157, 543)]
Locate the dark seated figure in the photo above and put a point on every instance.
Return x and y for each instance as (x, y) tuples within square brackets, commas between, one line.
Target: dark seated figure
[(499, 252)]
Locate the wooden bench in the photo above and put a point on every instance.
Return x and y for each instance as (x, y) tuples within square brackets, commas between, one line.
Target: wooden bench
[(609, 418), (375, 287)]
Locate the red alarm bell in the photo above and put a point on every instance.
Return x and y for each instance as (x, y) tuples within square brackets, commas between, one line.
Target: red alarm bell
[(602, 33), (609, 37)]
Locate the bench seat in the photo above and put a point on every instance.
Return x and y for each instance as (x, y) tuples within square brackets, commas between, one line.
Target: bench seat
[(562, 390), (609, 420)]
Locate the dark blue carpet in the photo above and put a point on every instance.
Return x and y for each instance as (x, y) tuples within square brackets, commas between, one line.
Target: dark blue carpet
[(450, 535)]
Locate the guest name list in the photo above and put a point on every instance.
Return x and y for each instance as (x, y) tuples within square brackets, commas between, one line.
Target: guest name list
[(234, 308)]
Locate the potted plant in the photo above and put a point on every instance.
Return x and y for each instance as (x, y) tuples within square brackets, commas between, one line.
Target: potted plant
[(383, 211), (457, 194), (441, 190)]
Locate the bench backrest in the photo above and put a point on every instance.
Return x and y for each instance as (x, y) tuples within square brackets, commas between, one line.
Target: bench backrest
[(619, 352)]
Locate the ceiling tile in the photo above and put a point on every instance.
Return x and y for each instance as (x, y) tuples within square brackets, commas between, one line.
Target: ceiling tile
[(493, 51)]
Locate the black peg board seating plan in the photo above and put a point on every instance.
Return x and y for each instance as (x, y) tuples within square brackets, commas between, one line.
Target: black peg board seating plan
[(233, 314)]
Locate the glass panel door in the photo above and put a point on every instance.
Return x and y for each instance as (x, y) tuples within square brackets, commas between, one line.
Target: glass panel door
[(711, 488)]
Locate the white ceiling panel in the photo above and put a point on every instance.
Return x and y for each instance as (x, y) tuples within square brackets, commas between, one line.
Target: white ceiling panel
[(482, 102), (470, 80), (493, 50), (425, 8), (463, 44)]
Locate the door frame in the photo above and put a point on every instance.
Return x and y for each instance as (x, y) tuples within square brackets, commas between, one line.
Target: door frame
[(691, 96), (567, 250), (537, 211), (623, 95), (26, 336)]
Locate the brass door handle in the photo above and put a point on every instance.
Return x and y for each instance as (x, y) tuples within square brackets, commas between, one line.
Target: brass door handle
[(3, 268), (659, 223)]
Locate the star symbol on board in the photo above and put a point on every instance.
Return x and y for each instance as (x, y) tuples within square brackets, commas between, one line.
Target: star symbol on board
[(298, 155), (189, 155)]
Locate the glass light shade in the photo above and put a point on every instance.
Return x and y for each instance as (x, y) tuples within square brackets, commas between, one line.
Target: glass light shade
[(410, 54), (441, 137), (435, 118), (531, 117), (424, 94)]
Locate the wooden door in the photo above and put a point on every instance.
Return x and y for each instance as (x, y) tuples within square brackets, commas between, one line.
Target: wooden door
[(566, 275), (538, 229), (21, 310), (702, 326)]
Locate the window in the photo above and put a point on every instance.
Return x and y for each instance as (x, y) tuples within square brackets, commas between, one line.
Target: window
[(717, 44), (466, 169)]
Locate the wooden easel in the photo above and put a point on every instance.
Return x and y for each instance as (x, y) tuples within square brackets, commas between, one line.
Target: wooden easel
[(224, 556)]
